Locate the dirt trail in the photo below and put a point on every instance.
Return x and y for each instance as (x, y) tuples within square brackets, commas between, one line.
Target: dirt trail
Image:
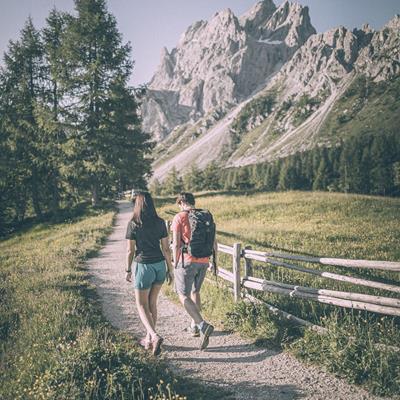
[(230, 362)]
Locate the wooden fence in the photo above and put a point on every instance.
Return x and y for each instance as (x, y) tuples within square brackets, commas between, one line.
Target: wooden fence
[(357, 301)]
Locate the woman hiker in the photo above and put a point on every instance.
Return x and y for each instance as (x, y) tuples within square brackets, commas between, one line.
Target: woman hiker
[(152, 266)]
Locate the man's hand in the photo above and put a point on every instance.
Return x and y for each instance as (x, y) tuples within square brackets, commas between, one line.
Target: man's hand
[(212, 267), (129, 276)]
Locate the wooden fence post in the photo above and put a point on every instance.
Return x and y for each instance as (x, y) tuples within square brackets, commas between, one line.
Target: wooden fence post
[(248, 266), (236, 271)]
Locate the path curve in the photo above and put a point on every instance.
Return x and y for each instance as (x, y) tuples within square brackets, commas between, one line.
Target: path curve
[(230, 362)]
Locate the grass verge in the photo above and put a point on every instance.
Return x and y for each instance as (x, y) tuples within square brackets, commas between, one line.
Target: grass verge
[(54, 342)]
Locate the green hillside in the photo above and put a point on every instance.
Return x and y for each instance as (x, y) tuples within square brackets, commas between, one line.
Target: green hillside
[(365, 108)]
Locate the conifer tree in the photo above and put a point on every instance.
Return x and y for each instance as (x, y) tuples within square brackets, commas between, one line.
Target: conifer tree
[(22, 84), (322, 177), (211, 177), (194, 180), (173, 183), (99, 66)]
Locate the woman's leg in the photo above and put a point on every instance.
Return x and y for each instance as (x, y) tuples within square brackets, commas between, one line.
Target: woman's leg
[(153, 297), (142, 304)]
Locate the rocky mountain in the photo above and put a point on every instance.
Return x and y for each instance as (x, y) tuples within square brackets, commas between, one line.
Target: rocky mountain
[(219, 63), (265, 85)]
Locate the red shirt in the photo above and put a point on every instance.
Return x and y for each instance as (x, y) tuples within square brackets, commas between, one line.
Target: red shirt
[(180, 224)]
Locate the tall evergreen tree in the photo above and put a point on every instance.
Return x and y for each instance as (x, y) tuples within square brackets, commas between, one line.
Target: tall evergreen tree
[(22, 84), (211, 177), (382, 174), (98, 66), (173, 183), (194, 180), (323, 175)]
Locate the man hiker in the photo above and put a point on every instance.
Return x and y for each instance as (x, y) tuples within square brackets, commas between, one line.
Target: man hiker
[(193, 243)]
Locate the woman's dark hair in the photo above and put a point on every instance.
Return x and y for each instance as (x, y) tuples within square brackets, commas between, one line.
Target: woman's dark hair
[(185, 197), (143, 209)]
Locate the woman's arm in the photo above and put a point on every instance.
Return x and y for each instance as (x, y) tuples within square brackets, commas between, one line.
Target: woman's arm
[(130, 252)]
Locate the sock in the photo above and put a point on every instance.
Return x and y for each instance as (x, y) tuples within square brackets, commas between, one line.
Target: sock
[(201, 324), (193, 324)]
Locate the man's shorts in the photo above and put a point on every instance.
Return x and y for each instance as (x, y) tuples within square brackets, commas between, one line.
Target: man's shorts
[(147, 275), (189, 278)]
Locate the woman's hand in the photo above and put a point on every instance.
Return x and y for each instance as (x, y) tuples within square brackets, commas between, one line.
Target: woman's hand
[(168, 277), (129, 276)]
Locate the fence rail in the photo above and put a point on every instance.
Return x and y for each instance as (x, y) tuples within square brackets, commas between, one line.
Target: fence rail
[(353, 300)]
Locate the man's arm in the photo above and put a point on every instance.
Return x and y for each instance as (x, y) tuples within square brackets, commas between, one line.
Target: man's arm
[(213, 263), (167, 255)]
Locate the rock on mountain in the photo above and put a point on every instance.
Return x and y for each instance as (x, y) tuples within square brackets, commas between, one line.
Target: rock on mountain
[(251, 89), (220, 62), (318, 87)]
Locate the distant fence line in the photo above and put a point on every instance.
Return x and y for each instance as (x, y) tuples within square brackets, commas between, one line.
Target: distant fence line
[(352, 300)]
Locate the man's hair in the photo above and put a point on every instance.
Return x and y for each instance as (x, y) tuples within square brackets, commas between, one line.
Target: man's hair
[(185, 197)]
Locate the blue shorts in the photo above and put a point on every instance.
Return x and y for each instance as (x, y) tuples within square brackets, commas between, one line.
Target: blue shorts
[(147, 275)]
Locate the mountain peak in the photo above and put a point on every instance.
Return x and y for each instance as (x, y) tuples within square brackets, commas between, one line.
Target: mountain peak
[(257, 15), (290, 23), (394, 23)]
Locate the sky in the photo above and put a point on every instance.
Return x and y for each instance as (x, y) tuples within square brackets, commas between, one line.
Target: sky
[(152, 24)]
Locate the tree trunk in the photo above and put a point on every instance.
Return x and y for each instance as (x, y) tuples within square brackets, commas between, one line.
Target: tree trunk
[(36, 203), (95, 195), (55, 198)]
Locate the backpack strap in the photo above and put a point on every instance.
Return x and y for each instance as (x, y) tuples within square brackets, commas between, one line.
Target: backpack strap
[(184, 244)]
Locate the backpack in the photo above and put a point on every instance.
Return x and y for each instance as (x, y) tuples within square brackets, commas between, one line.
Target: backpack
[(202, 228)]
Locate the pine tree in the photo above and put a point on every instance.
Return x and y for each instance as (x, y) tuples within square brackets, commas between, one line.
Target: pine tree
[(173, 183), (323, 175), (194, 180), (22, 84), (99, 67), (50, 112), (211, 177), (287, 175), (382, 174), (156, 187)]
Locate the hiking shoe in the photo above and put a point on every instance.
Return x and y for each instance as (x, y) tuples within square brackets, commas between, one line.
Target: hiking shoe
[(205, 333), (194, 331), (157, 342)]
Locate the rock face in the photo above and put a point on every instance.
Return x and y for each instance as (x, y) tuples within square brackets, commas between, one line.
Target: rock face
[(219, 63), (380, 58), (264, 85)]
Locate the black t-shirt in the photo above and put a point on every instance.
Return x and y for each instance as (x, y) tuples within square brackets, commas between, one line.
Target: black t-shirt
[(147, 239)]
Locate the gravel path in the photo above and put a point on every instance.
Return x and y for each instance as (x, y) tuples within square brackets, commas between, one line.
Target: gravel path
[(230, 362)]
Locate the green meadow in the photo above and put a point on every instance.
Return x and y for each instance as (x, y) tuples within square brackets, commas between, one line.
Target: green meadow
[(54, 342), (360, 346)]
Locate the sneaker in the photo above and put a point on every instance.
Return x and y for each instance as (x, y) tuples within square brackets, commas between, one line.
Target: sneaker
[(194, 331), (157, 342), (205, 332)]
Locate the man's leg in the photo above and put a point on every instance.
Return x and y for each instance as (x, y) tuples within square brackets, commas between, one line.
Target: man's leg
[(206, 329), (195, 297), (190, 307)]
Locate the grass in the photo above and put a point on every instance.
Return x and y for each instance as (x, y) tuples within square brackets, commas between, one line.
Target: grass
[(320, 224), (54, 341)]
